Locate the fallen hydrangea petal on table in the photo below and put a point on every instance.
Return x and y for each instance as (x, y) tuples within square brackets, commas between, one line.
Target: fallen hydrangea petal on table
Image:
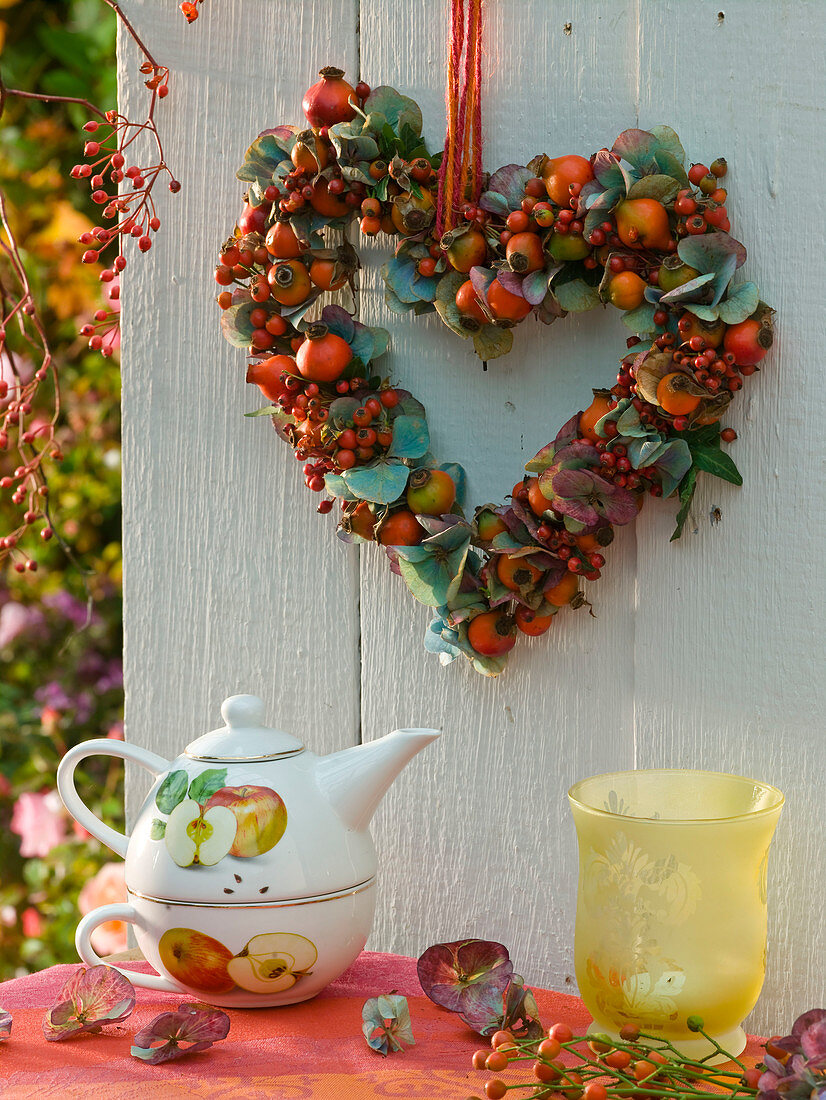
[(90, 999), (171, 1035), (386, 1023), (475, 979)]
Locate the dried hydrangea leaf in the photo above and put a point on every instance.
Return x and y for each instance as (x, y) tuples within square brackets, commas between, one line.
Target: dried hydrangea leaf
[(90, 999), (194, 1027), (449, 972)]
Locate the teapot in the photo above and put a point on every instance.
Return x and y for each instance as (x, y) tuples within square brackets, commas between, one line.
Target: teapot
[(250, 872)]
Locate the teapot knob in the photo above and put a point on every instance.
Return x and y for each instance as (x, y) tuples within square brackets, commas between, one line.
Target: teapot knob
[(243, 711)]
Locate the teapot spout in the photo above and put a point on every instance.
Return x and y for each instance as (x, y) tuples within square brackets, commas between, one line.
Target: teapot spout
[(355, 780)]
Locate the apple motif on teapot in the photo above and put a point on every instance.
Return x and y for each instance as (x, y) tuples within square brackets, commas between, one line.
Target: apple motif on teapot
[(250, 872)]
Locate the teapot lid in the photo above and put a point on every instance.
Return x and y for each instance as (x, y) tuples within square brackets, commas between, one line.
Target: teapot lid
[(244, 737)]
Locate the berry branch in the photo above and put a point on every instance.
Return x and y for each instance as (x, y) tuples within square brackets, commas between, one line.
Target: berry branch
[(597, 1067), (125, 191), (31, 443)]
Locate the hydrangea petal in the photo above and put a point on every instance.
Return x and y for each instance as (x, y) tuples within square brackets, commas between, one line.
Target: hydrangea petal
[(192, 1028), (90, 998), (386, 1023), (447, 971)]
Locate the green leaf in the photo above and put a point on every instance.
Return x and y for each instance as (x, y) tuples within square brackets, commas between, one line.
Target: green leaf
[(576, 296), (261, 160), (267, 410), (172, 791), (740, 302), (408, 406), (641, 319), (672, 462), (670, 166), (394, 303), (380, 482), (236, 324), (399, 274), (337, 486), (393, 105), (411, 438), (661, 188), (668, 140), (380, 190), (204, 786), (505, 541), (433, 569), (689, 289), (717, 252), (410, 131), (712, 460), (708, 433), (705, 313), (491, 341), (446, 302), (427, 581), (342, 408), (381, 341), (687, 487), (157, 830)]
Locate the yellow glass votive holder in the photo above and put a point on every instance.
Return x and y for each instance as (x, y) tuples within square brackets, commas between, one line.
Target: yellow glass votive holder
[(671, 905)]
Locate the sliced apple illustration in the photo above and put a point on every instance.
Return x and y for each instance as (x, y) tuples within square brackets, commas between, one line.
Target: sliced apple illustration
[(195, 959), (198, 834), (272, 962), (261, 816)]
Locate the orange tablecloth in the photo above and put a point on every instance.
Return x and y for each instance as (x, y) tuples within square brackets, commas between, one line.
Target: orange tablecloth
[(312, 1050)]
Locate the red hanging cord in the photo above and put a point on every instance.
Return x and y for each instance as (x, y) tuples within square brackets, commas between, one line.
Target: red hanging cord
[(460, 175)]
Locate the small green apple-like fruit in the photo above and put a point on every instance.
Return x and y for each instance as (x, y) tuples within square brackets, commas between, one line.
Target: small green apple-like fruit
[(196, 834)]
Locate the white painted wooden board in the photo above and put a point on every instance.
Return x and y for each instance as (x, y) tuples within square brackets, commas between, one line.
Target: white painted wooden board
[(230, 581), (704, 653)]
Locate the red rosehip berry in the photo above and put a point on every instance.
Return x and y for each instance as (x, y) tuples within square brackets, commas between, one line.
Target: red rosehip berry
[(696, 173)]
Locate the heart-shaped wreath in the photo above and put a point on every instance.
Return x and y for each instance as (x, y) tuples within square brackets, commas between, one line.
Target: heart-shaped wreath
[(629, 226)]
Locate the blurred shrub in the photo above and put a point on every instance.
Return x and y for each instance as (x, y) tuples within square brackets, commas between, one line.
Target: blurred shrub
[(60, 628)]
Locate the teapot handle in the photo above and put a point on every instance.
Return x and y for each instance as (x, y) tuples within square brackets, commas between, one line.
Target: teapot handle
[(83, 942), (74, 803)]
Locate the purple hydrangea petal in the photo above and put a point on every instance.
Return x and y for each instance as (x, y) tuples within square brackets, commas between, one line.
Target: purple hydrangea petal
[(192, 1028), (90, 998)]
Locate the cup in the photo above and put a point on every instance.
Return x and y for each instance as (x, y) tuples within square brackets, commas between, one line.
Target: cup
[(671, 905)]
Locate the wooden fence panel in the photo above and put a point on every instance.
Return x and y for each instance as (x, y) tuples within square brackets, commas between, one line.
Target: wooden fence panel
[(704, 653), (230, 578)]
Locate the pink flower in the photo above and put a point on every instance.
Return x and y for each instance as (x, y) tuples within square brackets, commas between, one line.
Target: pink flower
[(41, 822), (32, 923), (108, 887), (49, 719), (115, 732), (16, 618)]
